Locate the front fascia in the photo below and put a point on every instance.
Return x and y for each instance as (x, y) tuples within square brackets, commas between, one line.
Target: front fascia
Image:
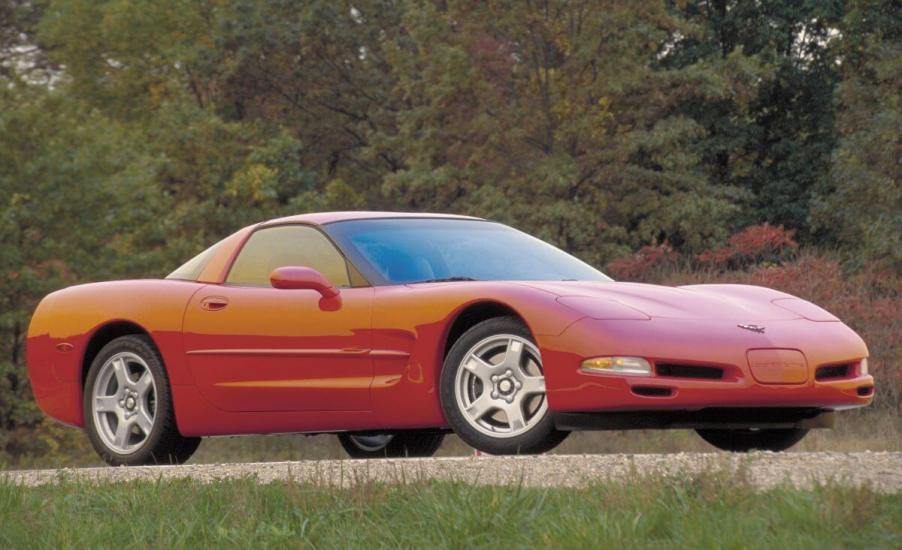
[(697, 342)]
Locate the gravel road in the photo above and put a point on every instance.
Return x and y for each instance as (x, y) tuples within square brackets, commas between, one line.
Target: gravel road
[(880, 470)]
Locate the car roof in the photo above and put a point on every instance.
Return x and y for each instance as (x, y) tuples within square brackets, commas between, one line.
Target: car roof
[(321, 218)]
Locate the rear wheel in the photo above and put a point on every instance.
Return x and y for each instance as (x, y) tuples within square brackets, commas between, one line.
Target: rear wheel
[(413, 443), (493, 390), (128, 410), (742, 441)]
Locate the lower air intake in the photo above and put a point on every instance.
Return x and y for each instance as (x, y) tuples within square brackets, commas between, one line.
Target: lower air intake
[(652, 391), (832, 371), (688, 371)]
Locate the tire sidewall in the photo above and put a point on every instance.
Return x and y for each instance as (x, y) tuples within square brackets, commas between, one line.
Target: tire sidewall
[(535, 440), (743, 441), (406, 443), (142, 347)]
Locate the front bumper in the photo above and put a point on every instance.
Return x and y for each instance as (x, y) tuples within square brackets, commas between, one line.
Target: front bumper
[(716, 344)]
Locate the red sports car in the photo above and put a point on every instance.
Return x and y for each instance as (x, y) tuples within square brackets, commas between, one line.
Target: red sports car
[(392, 329)]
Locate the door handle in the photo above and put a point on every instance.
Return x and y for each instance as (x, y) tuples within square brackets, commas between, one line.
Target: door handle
[(214, 303)]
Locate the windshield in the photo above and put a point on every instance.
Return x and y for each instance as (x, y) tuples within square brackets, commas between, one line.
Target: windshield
[(413, 250)]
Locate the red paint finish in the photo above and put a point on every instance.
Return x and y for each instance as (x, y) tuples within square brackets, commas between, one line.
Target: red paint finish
[(280, 350), (244, 359), (302, 278), (678, 341), (74, 315)]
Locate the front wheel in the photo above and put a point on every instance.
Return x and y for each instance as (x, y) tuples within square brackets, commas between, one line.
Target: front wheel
[(405, 444), (743, 441), (129, 416), (493, 390)]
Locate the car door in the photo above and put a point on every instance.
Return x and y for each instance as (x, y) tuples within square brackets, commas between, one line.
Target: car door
[(252, 347)]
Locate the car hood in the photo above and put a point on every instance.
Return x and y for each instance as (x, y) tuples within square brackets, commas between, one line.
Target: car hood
[(613, 300)]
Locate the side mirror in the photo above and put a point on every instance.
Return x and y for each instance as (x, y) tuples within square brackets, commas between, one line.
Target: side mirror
[(296, 278)]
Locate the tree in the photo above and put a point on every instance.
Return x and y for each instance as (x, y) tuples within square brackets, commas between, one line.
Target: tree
[(20, 57), (553, 116), (70, 185), (558, 108), (862, 200), (770, 128)]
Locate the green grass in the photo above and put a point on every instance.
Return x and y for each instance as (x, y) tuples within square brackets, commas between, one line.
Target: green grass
[(715, 511)]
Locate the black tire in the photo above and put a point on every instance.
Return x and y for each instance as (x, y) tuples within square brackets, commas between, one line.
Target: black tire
[(404, 444), (164, 444), (541, 437), (743, 441)]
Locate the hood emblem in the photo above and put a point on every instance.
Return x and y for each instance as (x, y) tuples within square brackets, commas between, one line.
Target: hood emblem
[(753, 328)]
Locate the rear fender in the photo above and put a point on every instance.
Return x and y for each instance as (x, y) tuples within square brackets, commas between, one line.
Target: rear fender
[(62, 333)]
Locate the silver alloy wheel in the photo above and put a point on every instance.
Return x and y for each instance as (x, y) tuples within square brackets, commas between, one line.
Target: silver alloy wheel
[(123, 403), (500, 387), (372, 443)]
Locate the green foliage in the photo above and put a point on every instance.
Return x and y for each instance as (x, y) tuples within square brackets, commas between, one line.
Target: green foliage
[(770, 121), (555, 120), (66, 185), (863, 197), (411, 105), (710, 511)]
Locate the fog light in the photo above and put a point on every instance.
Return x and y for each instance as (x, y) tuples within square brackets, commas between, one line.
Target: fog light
[(617, 365), (863, 367)]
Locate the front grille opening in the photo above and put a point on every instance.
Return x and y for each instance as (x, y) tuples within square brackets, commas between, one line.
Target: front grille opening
[(652, 391), (688, 371), (832, 371), (865, 390)]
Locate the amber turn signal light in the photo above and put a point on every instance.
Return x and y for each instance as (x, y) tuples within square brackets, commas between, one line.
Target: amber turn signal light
[(617, 365)]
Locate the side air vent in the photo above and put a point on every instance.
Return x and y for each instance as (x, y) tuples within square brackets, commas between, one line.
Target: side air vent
[(832, 371), (688, 371)]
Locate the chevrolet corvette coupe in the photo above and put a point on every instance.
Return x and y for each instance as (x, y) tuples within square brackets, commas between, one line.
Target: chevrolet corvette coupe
[(390, 330)]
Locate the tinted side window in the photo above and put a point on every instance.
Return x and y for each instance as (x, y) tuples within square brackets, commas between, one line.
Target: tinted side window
[(191, 270), (287, 245)]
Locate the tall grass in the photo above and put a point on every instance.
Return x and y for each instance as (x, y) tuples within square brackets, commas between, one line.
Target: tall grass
[(713, 511)]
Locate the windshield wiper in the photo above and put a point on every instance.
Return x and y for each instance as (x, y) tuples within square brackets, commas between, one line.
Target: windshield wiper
[(446, 280)]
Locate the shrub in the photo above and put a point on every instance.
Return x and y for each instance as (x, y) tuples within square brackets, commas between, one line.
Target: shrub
[(752, 246), (643, 265)]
